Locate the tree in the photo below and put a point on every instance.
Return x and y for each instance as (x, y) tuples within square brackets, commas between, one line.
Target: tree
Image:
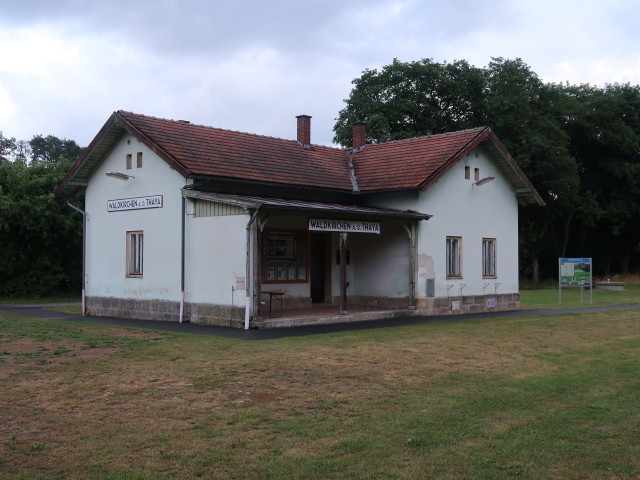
[(40, 236), (405, 100), (420, 98), (605, 137), (7, 146), (528, 116), (53, 149)]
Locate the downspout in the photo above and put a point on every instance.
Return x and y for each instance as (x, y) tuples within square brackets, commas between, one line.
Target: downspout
[(182, 255), (84, 254), (248, 283)]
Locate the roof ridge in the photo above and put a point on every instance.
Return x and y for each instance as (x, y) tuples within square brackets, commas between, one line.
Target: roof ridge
[(219, 129), (444, 134)]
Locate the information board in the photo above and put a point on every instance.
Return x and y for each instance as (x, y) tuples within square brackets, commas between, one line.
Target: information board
[(575, 272)]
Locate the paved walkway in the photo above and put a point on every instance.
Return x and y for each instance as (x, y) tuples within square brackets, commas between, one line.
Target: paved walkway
[(37, 311)]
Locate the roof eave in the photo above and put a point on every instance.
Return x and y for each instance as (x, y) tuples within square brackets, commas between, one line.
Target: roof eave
[(531, 192), (106, 138), (455, 158), (151, 145), (487, 134), (268, 203), (68, 180)]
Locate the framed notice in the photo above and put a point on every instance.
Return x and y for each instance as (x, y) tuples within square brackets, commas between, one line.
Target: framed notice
[(285, 256), (271, 272), (282, 271), (280, 246)]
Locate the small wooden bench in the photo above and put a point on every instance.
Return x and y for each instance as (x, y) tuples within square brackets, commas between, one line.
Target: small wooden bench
[(277, 294)]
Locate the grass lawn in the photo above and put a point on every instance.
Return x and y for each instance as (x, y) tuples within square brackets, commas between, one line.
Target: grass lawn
[(39, 300), (573, 298), (534, 397)]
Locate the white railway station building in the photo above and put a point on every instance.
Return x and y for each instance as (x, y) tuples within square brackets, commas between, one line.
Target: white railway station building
[(185, 222)]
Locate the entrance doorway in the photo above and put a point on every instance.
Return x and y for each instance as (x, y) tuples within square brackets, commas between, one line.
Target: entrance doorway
[(318, 267)]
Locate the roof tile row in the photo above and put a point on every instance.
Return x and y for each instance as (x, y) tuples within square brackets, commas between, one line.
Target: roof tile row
[(210, 151)]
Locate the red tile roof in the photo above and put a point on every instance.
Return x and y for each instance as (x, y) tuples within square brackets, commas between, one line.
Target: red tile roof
[(409, 164), (224, 153), (195, 150)]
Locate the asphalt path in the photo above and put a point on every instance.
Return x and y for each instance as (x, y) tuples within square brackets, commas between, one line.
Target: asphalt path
[(38, 311)]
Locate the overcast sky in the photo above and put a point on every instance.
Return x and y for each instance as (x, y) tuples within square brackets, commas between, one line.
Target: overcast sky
[(253, 65)]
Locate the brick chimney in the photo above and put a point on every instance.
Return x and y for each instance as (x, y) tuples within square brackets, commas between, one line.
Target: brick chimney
[(359, 133), (304, 129)]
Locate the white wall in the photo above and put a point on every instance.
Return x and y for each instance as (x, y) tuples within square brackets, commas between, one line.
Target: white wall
[(380, 263), (106, 231), (215, 257), (462, 209)]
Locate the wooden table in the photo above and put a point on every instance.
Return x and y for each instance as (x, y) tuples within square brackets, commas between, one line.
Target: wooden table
[(277, 294)]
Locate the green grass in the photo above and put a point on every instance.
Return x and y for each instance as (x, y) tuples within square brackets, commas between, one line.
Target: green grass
[(40, 300), (573, 297), (534, 397)]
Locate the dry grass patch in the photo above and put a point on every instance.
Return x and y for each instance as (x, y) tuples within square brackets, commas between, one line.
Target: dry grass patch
[(27, 354), (532, 397)]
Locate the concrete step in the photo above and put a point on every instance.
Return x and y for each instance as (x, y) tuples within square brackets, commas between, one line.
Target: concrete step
[(298, 321)]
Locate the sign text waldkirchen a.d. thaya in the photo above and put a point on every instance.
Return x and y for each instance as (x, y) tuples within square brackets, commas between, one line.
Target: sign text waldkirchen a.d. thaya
[(136, 203), (347, 226)]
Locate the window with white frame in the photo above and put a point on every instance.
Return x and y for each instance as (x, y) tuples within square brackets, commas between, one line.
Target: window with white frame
[(135, 247), (488, 257), (454, 245)]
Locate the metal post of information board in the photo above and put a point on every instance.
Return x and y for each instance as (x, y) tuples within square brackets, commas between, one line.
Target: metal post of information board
[(559, 280)]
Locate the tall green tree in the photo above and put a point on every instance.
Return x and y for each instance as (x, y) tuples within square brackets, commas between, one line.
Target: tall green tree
[(53, 149), (7, 146), (420, 98), (40, 236), (405, 100), (528, 116), (605, 137)]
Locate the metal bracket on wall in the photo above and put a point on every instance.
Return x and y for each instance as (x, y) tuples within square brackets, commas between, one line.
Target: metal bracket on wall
[(262, 222)]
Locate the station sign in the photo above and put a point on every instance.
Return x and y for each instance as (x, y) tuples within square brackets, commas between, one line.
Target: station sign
[(344, 226), (136, 203)]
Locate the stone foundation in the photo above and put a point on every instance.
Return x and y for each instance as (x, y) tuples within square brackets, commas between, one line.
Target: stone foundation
[(165, 310), (220, 315), (228, 316), (468, 304)]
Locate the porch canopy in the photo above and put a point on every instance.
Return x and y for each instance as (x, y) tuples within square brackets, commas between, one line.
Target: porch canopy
[(264, 203), (253, 205)]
